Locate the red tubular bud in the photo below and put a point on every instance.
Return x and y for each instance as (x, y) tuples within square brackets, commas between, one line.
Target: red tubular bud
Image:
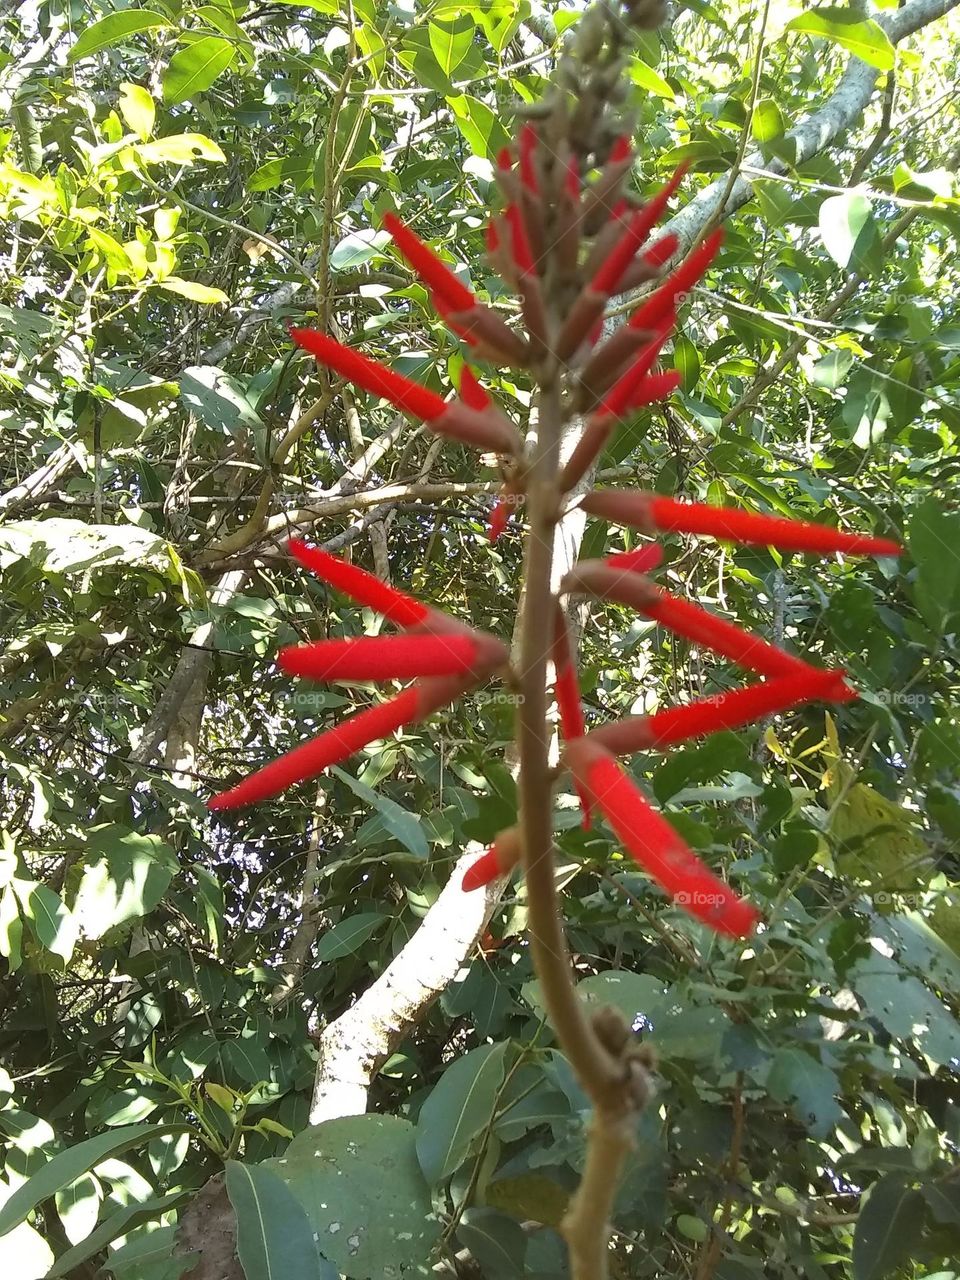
[(485, 331), (653, 209), (567, 690), (403, 657), (528, 149), (621, 149), (341, 742), (608, 277), (724, 711), (471, 392), (655, 845), (661, 252), (773, 531), (641, 560), (432, 271), (499, 518), (499, 860), (361, 586), (621, 395), (657, 387), (520, 244), (649, 314), (408, 396)]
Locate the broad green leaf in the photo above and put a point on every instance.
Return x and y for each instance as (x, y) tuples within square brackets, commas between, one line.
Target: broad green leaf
[(78, 1207), (11, 929), (274, 1236), (138, 109), (118, 1224), (768, 122), (686, 361), (195, 67), (124, 877), (348, 935), (799, 1078), (934, 543), (69, 1165), (831, 370), (399, 822), (638, 996), (218, 400), (651, 80), (497, 1243), (887, 1229), (51, 923), (860, 36), (364, 1195), (357, 248), (450, 42), (479, 124), (842, 219), (194, 290), (457, 1111), (114, 28), (180, 148)]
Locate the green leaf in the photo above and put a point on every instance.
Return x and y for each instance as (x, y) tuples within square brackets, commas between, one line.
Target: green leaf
[(831, 370), (364, 1195), (768, 122), (71, 1164), (496, 1242), (348, 936), (887, 1229), (118, 1224), (114, 28), (651, 80), (51, 923), (934, 543), (194, 290), (842, 219), (218, 400), (180, 148), (686, 361), (860, 36), (800, 1079), (274, 1237), (399, 822), (479, 124), (195, 67), (138, 109), (357, 248), (11, 929), (451, 41), (458, 1110), (124, 877)]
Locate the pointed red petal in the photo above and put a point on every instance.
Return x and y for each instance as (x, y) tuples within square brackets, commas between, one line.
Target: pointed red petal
[(774, 531), (363, 587), (620, 396), (641, 560), (499, 860), (521, 252), (376, 378), (657, 847), (471, 392), (566, 688), (621, 149), (493, 237), (662, 251), (656, 387), (499, 518), (653, 209), (700, 627), (329, 748), (381, 657), (431, 270), (622, 254), (677, 285), (744, 706), (527, 148)]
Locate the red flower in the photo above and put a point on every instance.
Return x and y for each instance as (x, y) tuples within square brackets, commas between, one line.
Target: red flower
[(606, 383), (655, 845)]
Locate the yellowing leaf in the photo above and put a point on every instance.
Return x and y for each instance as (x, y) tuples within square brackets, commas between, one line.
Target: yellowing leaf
[(180, 148), (193, 290), (138, 109)]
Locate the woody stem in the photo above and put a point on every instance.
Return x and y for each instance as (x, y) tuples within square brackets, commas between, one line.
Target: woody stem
[(603, 1075)]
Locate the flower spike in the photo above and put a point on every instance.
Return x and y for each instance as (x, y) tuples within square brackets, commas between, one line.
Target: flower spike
[(651, 513), (655, 845)]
